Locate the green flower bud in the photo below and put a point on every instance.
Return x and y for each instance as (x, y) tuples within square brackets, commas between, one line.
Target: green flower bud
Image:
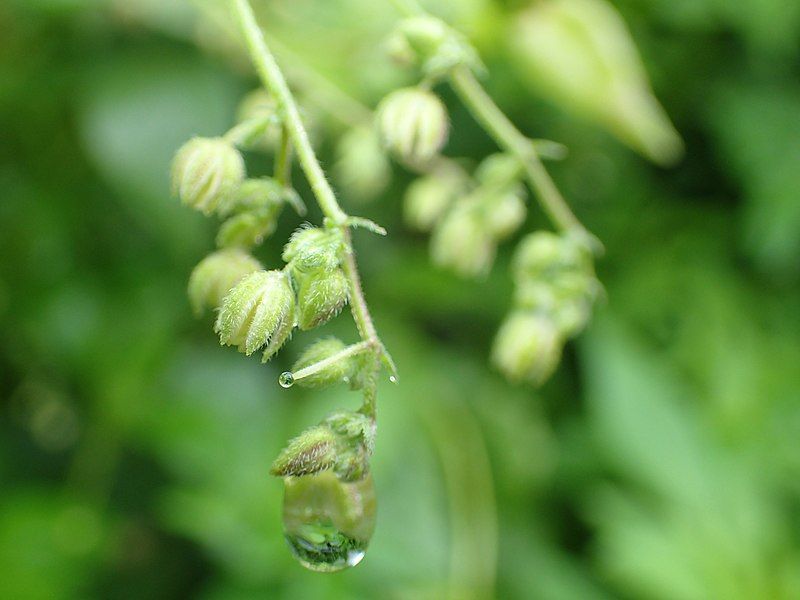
[(428, 197), (253, 195), (361, 166), (245, 230), (462, 243), (527, 347), (356, 433), (336, 372), (205, 171), (258, 311), (259, 121), (543, 254), (434, 45), (412, 123), (506, 213), (320, 297), (312, 451), (313, 249), (215, 275), (498, 170)]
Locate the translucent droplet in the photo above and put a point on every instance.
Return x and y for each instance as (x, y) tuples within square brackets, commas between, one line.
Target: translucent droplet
[(327, 522), (392, 379), (286, 379)]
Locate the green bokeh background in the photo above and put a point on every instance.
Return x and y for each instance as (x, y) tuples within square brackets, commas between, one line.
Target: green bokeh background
[(661, 461)]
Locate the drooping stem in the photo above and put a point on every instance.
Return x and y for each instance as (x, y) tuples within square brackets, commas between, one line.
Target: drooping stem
[(310, 370), (272, 77)]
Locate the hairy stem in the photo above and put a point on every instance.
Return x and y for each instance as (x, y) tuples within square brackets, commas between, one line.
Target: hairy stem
[(273, 79)]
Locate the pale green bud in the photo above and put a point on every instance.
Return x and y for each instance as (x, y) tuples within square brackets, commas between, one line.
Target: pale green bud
[(428, 198), (543, 254), (261, 194), (312, 451), (256, 312), (498, 170), (462, 243), (205, 171), (527, 347), (258, 121), (506, 213), (361, 165), (216, 274), (245, 230), (356, 433), (412, 123), (313, 249), (336, 372), (434, 45), (320, 297)]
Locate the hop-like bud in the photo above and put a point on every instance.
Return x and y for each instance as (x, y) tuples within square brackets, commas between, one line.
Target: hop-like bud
[(543, 254), (429, 197), (412, 123), (361, 165), (245, 230), (320, 297), (506, 213), (255, 207), (498, 169), (259, 121), (527, 347), (314, 249), (356, 433), (462, 243), (335, 372), (205, 171), (312, 451), (215, 275), (254, 195), (260, 310), (436, 47)]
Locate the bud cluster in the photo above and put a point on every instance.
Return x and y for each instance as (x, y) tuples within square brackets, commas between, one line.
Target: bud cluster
[(469, 218), (432, 45), (555, 288)]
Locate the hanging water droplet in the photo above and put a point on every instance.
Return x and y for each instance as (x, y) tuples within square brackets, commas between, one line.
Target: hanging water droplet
[(327, 522), (392, 379), (286, 379), (346, 379)]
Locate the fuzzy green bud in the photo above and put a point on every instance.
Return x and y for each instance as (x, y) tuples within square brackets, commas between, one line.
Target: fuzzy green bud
[(253, 195), (428, 197), (527, 347), (498, 170), (361, 165), (259, 121), (205, 171), (245, 230), (313, 249), (259, 310), (312, 451), (333, 373), (462, 243), (356, 433), (506, 213), (216, 274), (433, 45), (320, 297), (543, 254), (412, 123)]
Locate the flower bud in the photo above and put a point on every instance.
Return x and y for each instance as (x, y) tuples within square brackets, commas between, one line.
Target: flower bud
[(320, 297), (258, 311), (498, 169), (412, 123), (259, 121), (543, 254), (356, 433), (246, 230), (261, 194), (312, 451), (205, 171), (428, 197), (506, 213), (314, 249), (336, 372), (215, 275), (435, 46), (462, 243), (361, 166), (527, 347)]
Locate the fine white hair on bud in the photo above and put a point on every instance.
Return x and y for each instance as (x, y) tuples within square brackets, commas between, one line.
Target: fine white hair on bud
[(320, 297), (215, 275), (527, 347), (205, 171), (312, 451), (462, 243), (314, 249), (412, 123), (259, 310)]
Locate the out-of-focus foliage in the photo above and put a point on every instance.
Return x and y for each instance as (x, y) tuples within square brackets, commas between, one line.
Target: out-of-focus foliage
[(662, 461)]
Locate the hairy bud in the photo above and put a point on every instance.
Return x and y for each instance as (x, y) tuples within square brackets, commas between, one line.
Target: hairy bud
[(320, 297), (412, 123), (361, 165), (312, 451), (462, 243), (527, 347), (313, 249), (356, 433), (432, 44), (216, 274), (258, 311), (259, 121), (543, 254), (205, 171), (335, 372), (506, 213), (428, 197)]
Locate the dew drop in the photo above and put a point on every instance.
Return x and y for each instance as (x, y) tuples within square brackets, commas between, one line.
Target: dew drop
[(392, 379), (286, 379), (327, 522)]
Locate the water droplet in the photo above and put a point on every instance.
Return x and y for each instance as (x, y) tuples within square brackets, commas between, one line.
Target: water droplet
[(392, 379), (327, 522), (286, 379), (345, 379)]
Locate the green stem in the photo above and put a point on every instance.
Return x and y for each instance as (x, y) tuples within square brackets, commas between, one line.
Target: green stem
[(509, 138), (273, 79), (310, 370), (283, 160)]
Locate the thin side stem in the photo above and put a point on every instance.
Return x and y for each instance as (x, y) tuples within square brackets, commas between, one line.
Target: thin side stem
[(273, 79), (510, 139), (310, 370), (283, 160)]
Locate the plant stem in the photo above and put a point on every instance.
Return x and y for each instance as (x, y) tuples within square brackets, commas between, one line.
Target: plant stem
[(323, 364), (273, 79), (283, 160)]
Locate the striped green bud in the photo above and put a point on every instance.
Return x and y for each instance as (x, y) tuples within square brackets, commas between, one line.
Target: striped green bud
[(216, 274), (527, 347), (412, 123), (320, 297), (312, 451), (205, 171)]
